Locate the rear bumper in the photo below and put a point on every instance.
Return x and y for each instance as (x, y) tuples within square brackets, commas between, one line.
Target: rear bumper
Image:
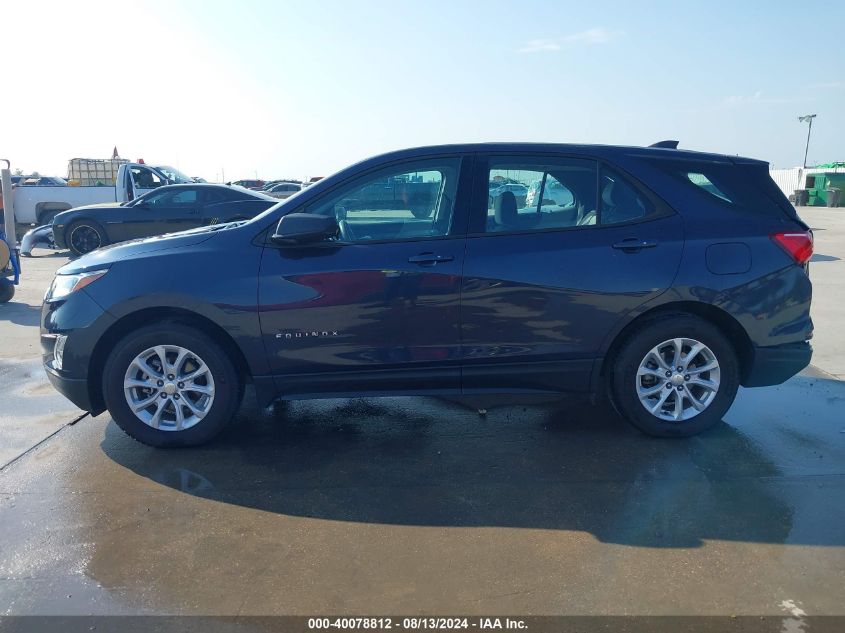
[(74, 389), (777, 364)]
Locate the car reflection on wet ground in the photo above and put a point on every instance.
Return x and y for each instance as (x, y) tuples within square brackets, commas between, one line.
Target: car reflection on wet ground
[(417, 505)]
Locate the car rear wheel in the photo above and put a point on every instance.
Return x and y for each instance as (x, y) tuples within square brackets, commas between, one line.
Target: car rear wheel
[(421, 211), (7, 290), (170, 385), (47, 217), (675, 376), (84, 236)]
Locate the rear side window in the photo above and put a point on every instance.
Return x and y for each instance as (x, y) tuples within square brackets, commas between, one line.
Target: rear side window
[(620, 201), (551, 193), (213, 196), (540, 194)]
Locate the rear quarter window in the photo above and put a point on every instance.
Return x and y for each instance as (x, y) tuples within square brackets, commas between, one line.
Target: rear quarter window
[(702, 181), (745, 187)]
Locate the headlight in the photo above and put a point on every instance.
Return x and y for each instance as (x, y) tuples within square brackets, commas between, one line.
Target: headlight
[(63, 285)]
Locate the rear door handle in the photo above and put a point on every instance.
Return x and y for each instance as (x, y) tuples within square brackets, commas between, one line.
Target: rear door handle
[(429, 259), (632, 245)]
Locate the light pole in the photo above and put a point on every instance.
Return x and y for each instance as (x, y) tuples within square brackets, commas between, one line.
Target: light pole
[(807, 118)]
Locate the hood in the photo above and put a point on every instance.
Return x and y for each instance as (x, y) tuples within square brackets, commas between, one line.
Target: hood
[(107, 255), (103, 206)]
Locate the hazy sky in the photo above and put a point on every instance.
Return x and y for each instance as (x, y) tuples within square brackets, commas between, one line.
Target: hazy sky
[(295, 89)]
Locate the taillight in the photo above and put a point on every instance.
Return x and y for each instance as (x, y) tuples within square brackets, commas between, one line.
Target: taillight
[(798, 245)]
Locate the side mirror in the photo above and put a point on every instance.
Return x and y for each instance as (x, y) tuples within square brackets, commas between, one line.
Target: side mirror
[(304, 228)]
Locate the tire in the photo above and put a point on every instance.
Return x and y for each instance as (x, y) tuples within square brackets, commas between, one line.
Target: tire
[(421, 212), (85, 245), (221, 380), (632, 371), (48, 216), (7, 290)]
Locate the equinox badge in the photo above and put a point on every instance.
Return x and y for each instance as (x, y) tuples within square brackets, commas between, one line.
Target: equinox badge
[(311, 334)]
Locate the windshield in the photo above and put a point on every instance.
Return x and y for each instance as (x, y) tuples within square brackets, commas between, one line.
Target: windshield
[(137, 200), (174, 175)]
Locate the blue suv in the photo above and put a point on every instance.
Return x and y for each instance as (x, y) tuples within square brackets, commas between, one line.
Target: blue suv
[(662, 278)]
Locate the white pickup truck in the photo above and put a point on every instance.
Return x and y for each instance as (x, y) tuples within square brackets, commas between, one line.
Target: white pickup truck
[(39, 205)]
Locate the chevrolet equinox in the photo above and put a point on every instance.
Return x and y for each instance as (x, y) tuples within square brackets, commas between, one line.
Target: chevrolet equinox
[(660, 277)]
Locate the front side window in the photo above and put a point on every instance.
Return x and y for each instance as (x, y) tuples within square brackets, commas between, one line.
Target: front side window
[(553, 194), (408, 201), (168, 198)]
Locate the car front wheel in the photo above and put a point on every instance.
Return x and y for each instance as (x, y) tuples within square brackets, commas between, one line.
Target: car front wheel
[(170, 385), (675, 376)]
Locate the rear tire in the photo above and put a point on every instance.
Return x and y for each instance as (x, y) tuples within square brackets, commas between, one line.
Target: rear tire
[(48, 216), (205, 407), (7, 290), (84, 236), (646, 386)]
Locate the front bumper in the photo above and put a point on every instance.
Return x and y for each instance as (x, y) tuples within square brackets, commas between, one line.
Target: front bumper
[(84, 322), (777, 364), (74, 389), (59, 236)]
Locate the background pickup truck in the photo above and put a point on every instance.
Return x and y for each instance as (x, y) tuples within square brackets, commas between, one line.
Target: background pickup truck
[(39, 205)]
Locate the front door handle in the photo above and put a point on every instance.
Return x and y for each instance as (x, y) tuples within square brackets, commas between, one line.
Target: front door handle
[(632, 245), (429, 259)]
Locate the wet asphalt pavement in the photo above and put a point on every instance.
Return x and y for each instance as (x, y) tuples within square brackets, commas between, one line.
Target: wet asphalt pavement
[(423, 506), (414, 505)]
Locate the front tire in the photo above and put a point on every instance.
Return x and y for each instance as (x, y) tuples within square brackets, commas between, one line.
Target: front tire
[(675, 376), (169, 385), (84, 236)]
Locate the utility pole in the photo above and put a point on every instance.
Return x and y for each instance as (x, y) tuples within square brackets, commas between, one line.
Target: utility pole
[(807, 118)]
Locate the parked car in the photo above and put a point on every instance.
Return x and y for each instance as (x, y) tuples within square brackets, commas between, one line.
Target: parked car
[(164, 210), (38, 181), (648, 288), (283, 190), (39, 205), (255, 185), (520, 191), (554, 193)]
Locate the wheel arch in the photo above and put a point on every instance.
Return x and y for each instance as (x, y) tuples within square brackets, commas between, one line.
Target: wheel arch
[(716, 316), (43, 208), (148, 316)]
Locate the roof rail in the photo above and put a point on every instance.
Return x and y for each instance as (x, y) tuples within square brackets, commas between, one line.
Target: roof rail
[(665, 144)]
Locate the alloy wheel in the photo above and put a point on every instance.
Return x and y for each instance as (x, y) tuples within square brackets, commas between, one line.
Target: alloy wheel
[(678, 379), (85, 239), (169, 388)]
